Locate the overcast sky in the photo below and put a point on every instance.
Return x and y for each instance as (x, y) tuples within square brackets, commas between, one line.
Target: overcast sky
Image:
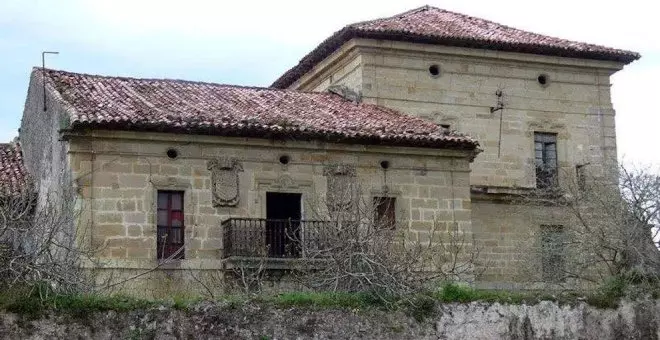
[(253, 42)]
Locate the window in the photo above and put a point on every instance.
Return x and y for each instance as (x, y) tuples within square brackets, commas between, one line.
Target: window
[(581, 176), (170, 226), (552, 253), (341, 192), (545, 154), (384, 212)]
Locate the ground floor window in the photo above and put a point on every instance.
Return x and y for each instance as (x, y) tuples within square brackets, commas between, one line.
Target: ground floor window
[(384, 212), (170, 242), (552, 253)]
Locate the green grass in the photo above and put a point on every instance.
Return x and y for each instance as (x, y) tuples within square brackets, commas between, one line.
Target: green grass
[(75, 305), (452, 292), (420, 306), (447, 294), (96, 303), (609, 294), (325, 300), (183, 303), (35, 301)]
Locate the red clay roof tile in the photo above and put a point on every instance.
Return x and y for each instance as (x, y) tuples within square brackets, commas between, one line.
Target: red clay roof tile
[(431, 25), (13, 176), (205, 108)]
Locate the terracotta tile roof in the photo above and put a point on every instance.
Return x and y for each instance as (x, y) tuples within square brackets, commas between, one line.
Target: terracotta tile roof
[(205, 108), (13, 175), (431, 25)]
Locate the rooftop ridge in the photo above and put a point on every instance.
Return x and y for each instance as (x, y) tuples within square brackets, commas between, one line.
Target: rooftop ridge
[(164, 105), (471, 17), (410, 11), (173, 80), (448, 28)]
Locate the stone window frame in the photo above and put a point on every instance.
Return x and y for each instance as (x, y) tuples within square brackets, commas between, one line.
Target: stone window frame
[(581, 177), (164, 247), (546, 138), (375, 203), (545, 125), (402, 218), (284, 184), (163, 183), (549, 273), (347, 172)]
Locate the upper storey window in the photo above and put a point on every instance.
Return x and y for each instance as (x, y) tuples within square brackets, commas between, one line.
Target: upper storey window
[(545, 150), (170, 240)]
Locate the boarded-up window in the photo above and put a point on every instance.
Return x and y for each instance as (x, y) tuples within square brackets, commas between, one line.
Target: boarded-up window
[(385, 212), (342, 187), (545, 156), (552, 253), (170, 242), (581, 175)]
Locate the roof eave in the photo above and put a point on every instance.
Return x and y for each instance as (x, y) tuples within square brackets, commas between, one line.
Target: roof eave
[(335, 41), (459, 143)]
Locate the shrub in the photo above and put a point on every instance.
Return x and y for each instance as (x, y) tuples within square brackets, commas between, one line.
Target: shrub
[(326, 299)]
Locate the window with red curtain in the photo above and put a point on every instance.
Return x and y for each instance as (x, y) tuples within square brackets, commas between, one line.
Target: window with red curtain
[(170, 242)]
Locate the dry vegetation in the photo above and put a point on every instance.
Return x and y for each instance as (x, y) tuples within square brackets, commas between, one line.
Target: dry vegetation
[(609, 233), (612, 239)]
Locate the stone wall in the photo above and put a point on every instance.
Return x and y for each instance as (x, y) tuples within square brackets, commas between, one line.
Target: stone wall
[(574, 103), (510, 245), (44, 153), (344, 67), (474, 321), (46, 159), (348, 73), (120, 173)]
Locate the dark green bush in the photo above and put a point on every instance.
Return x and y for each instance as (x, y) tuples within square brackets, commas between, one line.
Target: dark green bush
[(421, 307)]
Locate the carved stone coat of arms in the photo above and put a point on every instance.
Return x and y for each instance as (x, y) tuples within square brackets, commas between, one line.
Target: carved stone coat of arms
[(224, 181)]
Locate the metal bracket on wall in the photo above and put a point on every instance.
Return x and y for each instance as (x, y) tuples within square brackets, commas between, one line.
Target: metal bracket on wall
[(43, 73), (499, 107)]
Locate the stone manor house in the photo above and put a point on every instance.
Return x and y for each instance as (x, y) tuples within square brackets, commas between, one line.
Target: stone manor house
[(441, 117)]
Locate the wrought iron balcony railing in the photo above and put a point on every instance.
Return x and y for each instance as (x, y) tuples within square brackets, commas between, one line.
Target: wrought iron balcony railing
[(258, 237)]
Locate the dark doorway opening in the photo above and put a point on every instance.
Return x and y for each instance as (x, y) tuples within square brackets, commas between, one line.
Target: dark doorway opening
[(283, 213)]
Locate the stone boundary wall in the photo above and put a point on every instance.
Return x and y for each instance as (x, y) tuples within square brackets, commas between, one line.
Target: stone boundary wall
[(545, 320)]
